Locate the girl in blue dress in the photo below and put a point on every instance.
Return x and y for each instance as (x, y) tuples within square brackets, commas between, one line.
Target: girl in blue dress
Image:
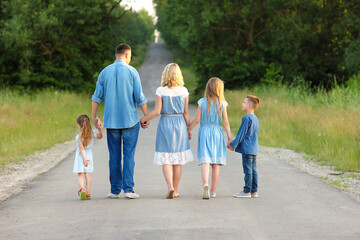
[(172, 148), (211, 149), (84, 164)]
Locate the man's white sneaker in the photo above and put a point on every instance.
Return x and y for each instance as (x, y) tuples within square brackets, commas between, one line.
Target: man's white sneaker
[(132, 195), (205, 193), (111, 195), (242, 195), (254, 195)]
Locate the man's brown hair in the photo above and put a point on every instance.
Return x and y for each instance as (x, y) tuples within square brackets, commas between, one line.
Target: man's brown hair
[(122, 48)]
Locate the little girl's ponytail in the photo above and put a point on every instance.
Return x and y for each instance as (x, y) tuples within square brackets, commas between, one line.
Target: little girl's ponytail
[(85, 128), (215, 91)]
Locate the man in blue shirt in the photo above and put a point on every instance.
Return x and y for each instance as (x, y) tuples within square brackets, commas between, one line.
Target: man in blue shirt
[(119, 85)]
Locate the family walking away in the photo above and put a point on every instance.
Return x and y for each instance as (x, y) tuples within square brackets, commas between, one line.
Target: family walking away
[(172, 148), (84, 162), (119, 86), (211, 148), (246, 143)]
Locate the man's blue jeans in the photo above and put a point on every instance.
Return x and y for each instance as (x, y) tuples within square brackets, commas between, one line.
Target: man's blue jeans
[(251, 176), (126, 140)]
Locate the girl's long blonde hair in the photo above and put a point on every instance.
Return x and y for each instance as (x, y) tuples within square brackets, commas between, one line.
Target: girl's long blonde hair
[(85, 129), (214, 91), (172, 76)]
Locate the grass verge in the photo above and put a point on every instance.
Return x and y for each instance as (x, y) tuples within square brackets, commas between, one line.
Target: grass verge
[(190, 80), (37, 121)]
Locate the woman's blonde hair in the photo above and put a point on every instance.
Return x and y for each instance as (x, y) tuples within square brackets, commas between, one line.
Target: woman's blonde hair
[(214, 91), (172, 76), (85, 128)]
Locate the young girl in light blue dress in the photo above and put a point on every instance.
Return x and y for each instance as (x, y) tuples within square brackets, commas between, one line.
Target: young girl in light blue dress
[(211, 149), (172, 149), (84, 164)]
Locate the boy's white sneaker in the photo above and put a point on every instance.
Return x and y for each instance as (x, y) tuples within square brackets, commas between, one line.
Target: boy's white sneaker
[(111, 195), (242, 194), (205, 193), (132, 195), (254, 195)]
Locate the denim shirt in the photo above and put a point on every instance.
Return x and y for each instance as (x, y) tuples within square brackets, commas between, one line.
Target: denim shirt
[(120, 86), (246, 140)]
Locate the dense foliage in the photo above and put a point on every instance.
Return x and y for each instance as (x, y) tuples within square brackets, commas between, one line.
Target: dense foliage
[(64, 43), (244, 41)]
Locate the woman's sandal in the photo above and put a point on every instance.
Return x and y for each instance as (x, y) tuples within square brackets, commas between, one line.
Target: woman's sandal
[(82, 194), (88, 196), (170, 194)]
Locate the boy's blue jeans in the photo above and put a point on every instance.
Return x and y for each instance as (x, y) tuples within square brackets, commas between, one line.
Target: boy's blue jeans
[(251, 176), (125, 140)]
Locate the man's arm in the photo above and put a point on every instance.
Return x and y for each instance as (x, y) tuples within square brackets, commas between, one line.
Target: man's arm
[(97, 98), (94, 109), (139, 96), (144, 109)]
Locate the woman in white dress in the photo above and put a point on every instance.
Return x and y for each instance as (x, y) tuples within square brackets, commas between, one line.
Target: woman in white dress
[(172, 149)]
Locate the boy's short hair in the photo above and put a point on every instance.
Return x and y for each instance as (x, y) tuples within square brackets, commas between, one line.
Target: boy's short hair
[(254, 100), (122, 48)]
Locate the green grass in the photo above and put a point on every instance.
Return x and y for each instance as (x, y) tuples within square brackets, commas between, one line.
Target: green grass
[(325, 125), (37, 121), (190, 80)]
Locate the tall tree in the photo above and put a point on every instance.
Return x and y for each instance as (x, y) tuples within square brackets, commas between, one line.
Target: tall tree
[(238, 40), (61, 43)]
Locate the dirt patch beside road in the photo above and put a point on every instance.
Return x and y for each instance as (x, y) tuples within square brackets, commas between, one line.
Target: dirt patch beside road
[(15, 176), (349, 182)]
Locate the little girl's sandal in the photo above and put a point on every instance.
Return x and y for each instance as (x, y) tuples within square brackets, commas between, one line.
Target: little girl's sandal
[(88, 196), (82, 194), (81, 190)]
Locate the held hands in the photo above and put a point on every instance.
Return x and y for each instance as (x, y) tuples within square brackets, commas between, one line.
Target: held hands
[(97, 123), (229, 146), (144, 123), (189, 133)]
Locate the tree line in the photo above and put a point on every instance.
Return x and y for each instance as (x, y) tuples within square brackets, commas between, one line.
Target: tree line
[(312, 42), (65, 43)]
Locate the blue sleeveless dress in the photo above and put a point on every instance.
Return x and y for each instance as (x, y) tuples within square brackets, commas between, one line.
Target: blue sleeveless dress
[(211, 143), (172, 140), (79, 166)]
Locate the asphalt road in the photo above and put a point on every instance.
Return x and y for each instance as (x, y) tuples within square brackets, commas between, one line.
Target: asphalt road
[(291, 204)]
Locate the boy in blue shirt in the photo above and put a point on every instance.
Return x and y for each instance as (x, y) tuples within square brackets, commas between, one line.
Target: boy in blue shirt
[(246, 142)]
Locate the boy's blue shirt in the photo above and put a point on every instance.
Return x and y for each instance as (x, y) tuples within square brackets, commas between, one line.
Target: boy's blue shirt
[(246, 140)]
